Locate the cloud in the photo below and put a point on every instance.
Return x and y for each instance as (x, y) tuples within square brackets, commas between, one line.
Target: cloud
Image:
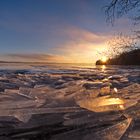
[(79, 46), (34, 58), (79, 34), (82, 45)]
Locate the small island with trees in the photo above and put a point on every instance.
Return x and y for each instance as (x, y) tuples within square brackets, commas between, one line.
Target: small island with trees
[(123, 49), (126, 58)]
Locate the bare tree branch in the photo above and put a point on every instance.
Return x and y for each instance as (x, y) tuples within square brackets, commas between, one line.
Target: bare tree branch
[(119, 44), (117, 8)]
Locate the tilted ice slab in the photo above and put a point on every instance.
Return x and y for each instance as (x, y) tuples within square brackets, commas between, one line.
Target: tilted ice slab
[(26, 113), (113, 132), (105, 103)]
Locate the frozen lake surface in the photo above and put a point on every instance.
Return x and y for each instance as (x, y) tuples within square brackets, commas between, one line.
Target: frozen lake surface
[(69, 102)]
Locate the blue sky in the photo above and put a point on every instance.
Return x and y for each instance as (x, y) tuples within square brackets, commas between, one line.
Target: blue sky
[(62, 29)]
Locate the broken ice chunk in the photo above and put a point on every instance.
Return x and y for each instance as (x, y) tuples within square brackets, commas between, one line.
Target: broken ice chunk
[(41, 91), (89, 117), (105, 90), (23, 91), (114, 132), (11, 91), (115, 77), (134, 88), (21, 104), (22, 116), (110, 132), (134, 134), (124, 80), (93, 85), (106, 103), (11, 94), (115, 90)]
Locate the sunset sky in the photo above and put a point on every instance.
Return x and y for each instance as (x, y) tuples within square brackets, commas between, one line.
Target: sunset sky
[(65, 31)]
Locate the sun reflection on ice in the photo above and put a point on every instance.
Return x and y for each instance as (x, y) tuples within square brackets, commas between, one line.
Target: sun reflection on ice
[(115, 90), (103, 67), (122, 107), (102, 104)]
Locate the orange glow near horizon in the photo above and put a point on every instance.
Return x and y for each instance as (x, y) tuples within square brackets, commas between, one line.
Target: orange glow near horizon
[(89, 54), (84, 47)]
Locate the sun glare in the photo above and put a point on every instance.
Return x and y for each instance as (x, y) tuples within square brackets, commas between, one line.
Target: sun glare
[(104, 59)]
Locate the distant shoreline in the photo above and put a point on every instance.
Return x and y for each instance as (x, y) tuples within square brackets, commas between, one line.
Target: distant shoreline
[(126, 58), (41, 62)]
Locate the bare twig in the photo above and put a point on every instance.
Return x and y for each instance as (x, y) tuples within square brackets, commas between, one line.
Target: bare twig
[(117, 8)]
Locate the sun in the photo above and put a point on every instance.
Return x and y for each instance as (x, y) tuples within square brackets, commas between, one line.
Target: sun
[(104, 59)]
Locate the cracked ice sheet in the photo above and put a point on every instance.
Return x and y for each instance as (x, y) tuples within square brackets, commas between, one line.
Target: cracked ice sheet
[(76, 96)]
